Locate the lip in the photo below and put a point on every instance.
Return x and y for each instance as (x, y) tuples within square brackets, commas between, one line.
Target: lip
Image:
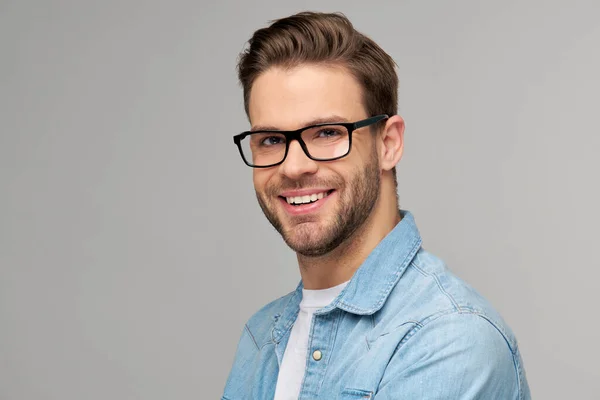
[(305, 208), (304, 192)]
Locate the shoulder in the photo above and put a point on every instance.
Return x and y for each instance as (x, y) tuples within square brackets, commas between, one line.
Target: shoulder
[(465, 332), (455, 296), (430, 295), (451, 328)]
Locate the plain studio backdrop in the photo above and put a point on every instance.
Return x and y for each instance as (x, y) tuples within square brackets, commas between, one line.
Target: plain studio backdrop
[(132, 248)]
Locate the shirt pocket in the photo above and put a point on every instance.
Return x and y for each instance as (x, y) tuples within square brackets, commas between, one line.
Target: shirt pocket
[(355, 394)]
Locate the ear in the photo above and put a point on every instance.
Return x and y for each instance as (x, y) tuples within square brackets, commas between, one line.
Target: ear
[(392, 140)]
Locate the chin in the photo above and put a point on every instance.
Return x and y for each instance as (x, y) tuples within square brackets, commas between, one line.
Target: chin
[(306, 238)]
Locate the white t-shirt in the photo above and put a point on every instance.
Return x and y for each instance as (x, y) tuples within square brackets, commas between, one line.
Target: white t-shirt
[(293, 365)]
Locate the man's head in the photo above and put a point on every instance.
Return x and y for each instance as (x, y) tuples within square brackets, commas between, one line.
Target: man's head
[(313, 68)]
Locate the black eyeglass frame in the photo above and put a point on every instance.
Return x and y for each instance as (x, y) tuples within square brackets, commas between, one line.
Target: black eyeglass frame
[(297, 135)]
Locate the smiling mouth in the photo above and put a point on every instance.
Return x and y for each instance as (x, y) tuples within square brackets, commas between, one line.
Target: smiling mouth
[(307, 199)]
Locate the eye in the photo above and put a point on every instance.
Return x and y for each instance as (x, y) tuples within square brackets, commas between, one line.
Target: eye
[(272, 141), (328, 133)]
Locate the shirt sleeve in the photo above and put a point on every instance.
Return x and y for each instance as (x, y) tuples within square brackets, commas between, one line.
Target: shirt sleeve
[(456, 356)]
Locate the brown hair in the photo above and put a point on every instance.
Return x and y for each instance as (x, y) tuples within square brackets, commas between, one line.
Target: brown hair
[(311, 37)]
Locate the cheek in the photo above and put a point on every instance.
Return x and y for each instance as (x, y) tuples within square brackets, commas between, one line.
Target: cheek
[(349, 168), (261, 178), (351, 178)]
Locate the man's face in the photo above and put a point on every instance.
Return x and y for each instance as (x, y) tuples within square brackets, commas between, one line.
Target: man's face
[(349, 187)]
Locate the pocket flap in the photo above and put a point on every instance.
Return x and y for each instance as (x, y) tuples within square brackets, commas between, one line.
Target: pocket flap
[(353, 394)]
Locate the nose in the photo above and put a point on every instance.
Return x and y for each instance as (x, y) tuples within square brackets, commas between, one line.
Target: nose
[(297, 162)]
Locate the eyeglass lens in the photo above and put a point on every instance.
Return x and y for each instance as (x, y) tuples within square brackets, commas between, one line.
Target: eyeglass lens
[(322, 142)]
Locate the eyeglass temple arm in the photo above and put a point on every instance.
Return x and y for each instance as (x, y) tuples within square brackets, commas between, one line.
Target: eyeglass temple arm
[(370, 121)]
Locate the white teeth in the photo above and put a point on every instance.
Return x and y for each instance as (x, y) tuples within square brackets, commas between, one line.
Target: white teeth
[(306, 199)]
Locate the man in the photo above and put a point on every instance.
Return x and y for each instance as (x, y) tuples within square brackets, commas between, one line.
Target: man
[(375, 315)]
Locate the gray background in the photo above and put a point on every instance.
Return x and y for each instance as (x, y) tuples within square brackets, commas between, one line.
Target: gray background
[(132, 249)]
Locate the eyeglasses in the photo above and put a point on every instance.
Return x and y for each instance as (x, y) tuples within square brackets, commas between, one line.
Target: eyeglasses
[(320, 142)]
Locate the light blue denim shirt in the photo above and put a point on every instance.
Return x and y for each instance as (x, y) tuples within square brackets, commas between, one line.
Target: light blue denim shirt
[(403, 328)]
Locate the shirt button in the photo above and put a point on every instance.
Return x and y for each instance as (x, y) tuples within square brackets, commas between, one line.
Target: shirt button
[(317, 355)]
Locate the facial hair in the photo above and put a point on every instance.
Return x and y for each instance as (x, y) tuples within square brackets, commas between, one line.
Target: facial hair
[(355, 205)]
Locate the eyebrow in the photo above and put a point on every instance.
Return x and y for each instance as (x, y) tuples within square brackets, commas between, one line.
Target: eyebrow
[(324, 120)]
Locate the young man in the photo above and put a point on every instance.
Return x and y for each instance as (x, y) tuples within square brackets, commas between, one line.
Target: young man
[(375, 315)]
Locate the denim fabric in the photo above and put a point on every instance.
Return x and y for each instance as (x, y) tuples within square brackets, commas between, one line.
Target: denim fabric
[(403, 328)]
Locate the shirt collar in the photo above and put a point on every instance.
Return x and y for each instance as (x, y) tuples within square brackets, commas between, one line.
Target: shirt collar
[(372, 283)]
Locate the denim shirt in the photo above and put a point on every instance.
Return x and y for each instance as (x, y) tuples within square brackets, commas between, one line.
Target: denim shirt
[(403, 328)]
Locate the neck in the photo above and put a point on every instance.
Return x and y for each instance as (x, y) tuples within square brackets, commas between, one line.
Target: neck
[(340, 265)]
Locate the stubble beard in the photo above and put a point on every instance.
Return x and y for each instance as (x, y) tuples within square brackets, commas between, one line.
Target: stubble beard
[(354, 209)]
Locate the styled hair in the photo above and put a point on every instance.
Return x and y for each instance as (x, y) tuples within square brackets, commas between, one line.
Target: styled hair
[(327, 39)]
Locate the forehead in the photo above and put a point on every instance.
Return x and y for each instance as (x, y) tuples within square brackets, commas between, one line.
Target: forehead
[(290, 98)]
